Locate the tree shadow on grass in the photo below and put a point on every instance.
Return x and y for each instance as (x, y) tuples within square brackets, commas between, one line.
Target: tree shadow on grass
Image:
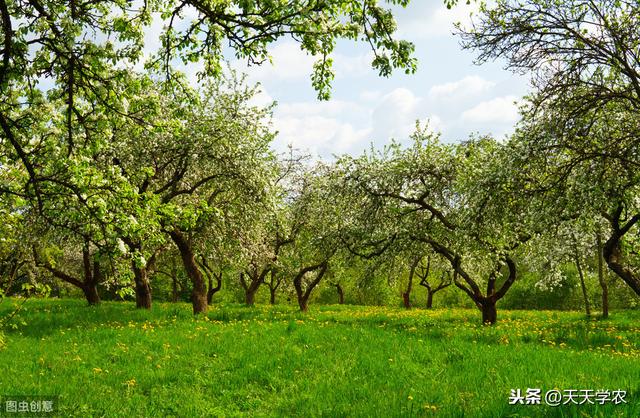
[(39, 318)]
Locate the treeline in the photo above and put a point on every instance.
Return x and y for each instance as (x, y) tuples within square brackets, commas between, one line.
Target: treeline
[(124, 183)]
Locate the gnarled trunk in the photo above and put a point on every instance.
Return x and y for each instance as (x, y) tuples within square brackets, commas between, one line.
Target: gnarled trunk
[(302, 293), (250, 296), (429, 299), (213, 289), (92, 276), (303, 303), (406, 295), (486, 304), (613, 256), (91, 284), (88, 284), (90, 291), (273, 284), (612, 250), (142, 286), (253, 285), (601, 279), (406, 301), (199, 292), (423, 273), (210, 274), (340, 294), (489, 311)]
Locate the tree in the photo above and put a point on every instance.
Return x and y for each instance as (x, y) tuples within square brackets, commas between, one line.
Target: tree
[(457, 200), (576, 257), (317, 211), (587, 166), (582, 121), (580, 52), (167, 265), (340, 291), (15, 234), (406, 295), (203, 160), (92, 273), (560, 245), (424, 272), (275, 280), (211, 274), (55, 133), (42, 46), (267, 238), (601, 278)]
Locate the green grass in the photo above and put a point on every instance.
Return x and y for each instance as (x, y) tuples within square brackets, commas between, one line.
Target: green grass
[(114, 360)]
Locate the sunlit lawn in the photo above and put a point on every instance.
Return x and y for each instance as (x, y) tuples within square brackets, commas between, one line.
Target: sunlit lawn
[(114, 360)]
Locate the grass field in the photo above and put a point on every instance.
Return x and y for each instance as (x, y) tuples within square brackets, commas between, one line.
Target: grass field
[(114, 360)]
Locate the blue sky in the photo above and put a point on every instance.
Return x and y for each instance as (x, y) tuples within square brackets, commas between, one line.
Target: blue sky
[(458, 97)]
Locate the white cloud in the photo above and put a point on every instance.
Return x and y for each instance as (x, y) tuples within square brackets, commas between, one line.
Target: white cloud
[(262, 98), (288, 63), (429, 23), (307, 132), (434, 123), (349, 139), (396, 114), (318, 135), (330, 108), (321, 128), (346, 66), (370, 95), (468, 87), (498, 110)]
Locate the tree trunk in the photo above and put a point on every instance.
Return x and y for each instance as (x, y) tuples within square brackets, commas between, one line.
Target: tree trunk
[(406, 300), (92, 276), (303, 303), (614, 258), (199, 300), (303, 294), (429, 299), (274, 284), (212, 291), (340, 294), (406, 295), (250, 295), (90, 281), (174, 281), (582, 284), (142, 286), (174, 289), (141, 276), (91, 293), (489, 312), (612, 251), (199, 292), (602, 280), (256, 278)]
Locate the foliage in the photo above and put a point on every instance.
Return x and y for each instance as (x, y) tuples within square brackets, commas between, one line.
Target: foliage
[(579, 135), (459, 200)]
